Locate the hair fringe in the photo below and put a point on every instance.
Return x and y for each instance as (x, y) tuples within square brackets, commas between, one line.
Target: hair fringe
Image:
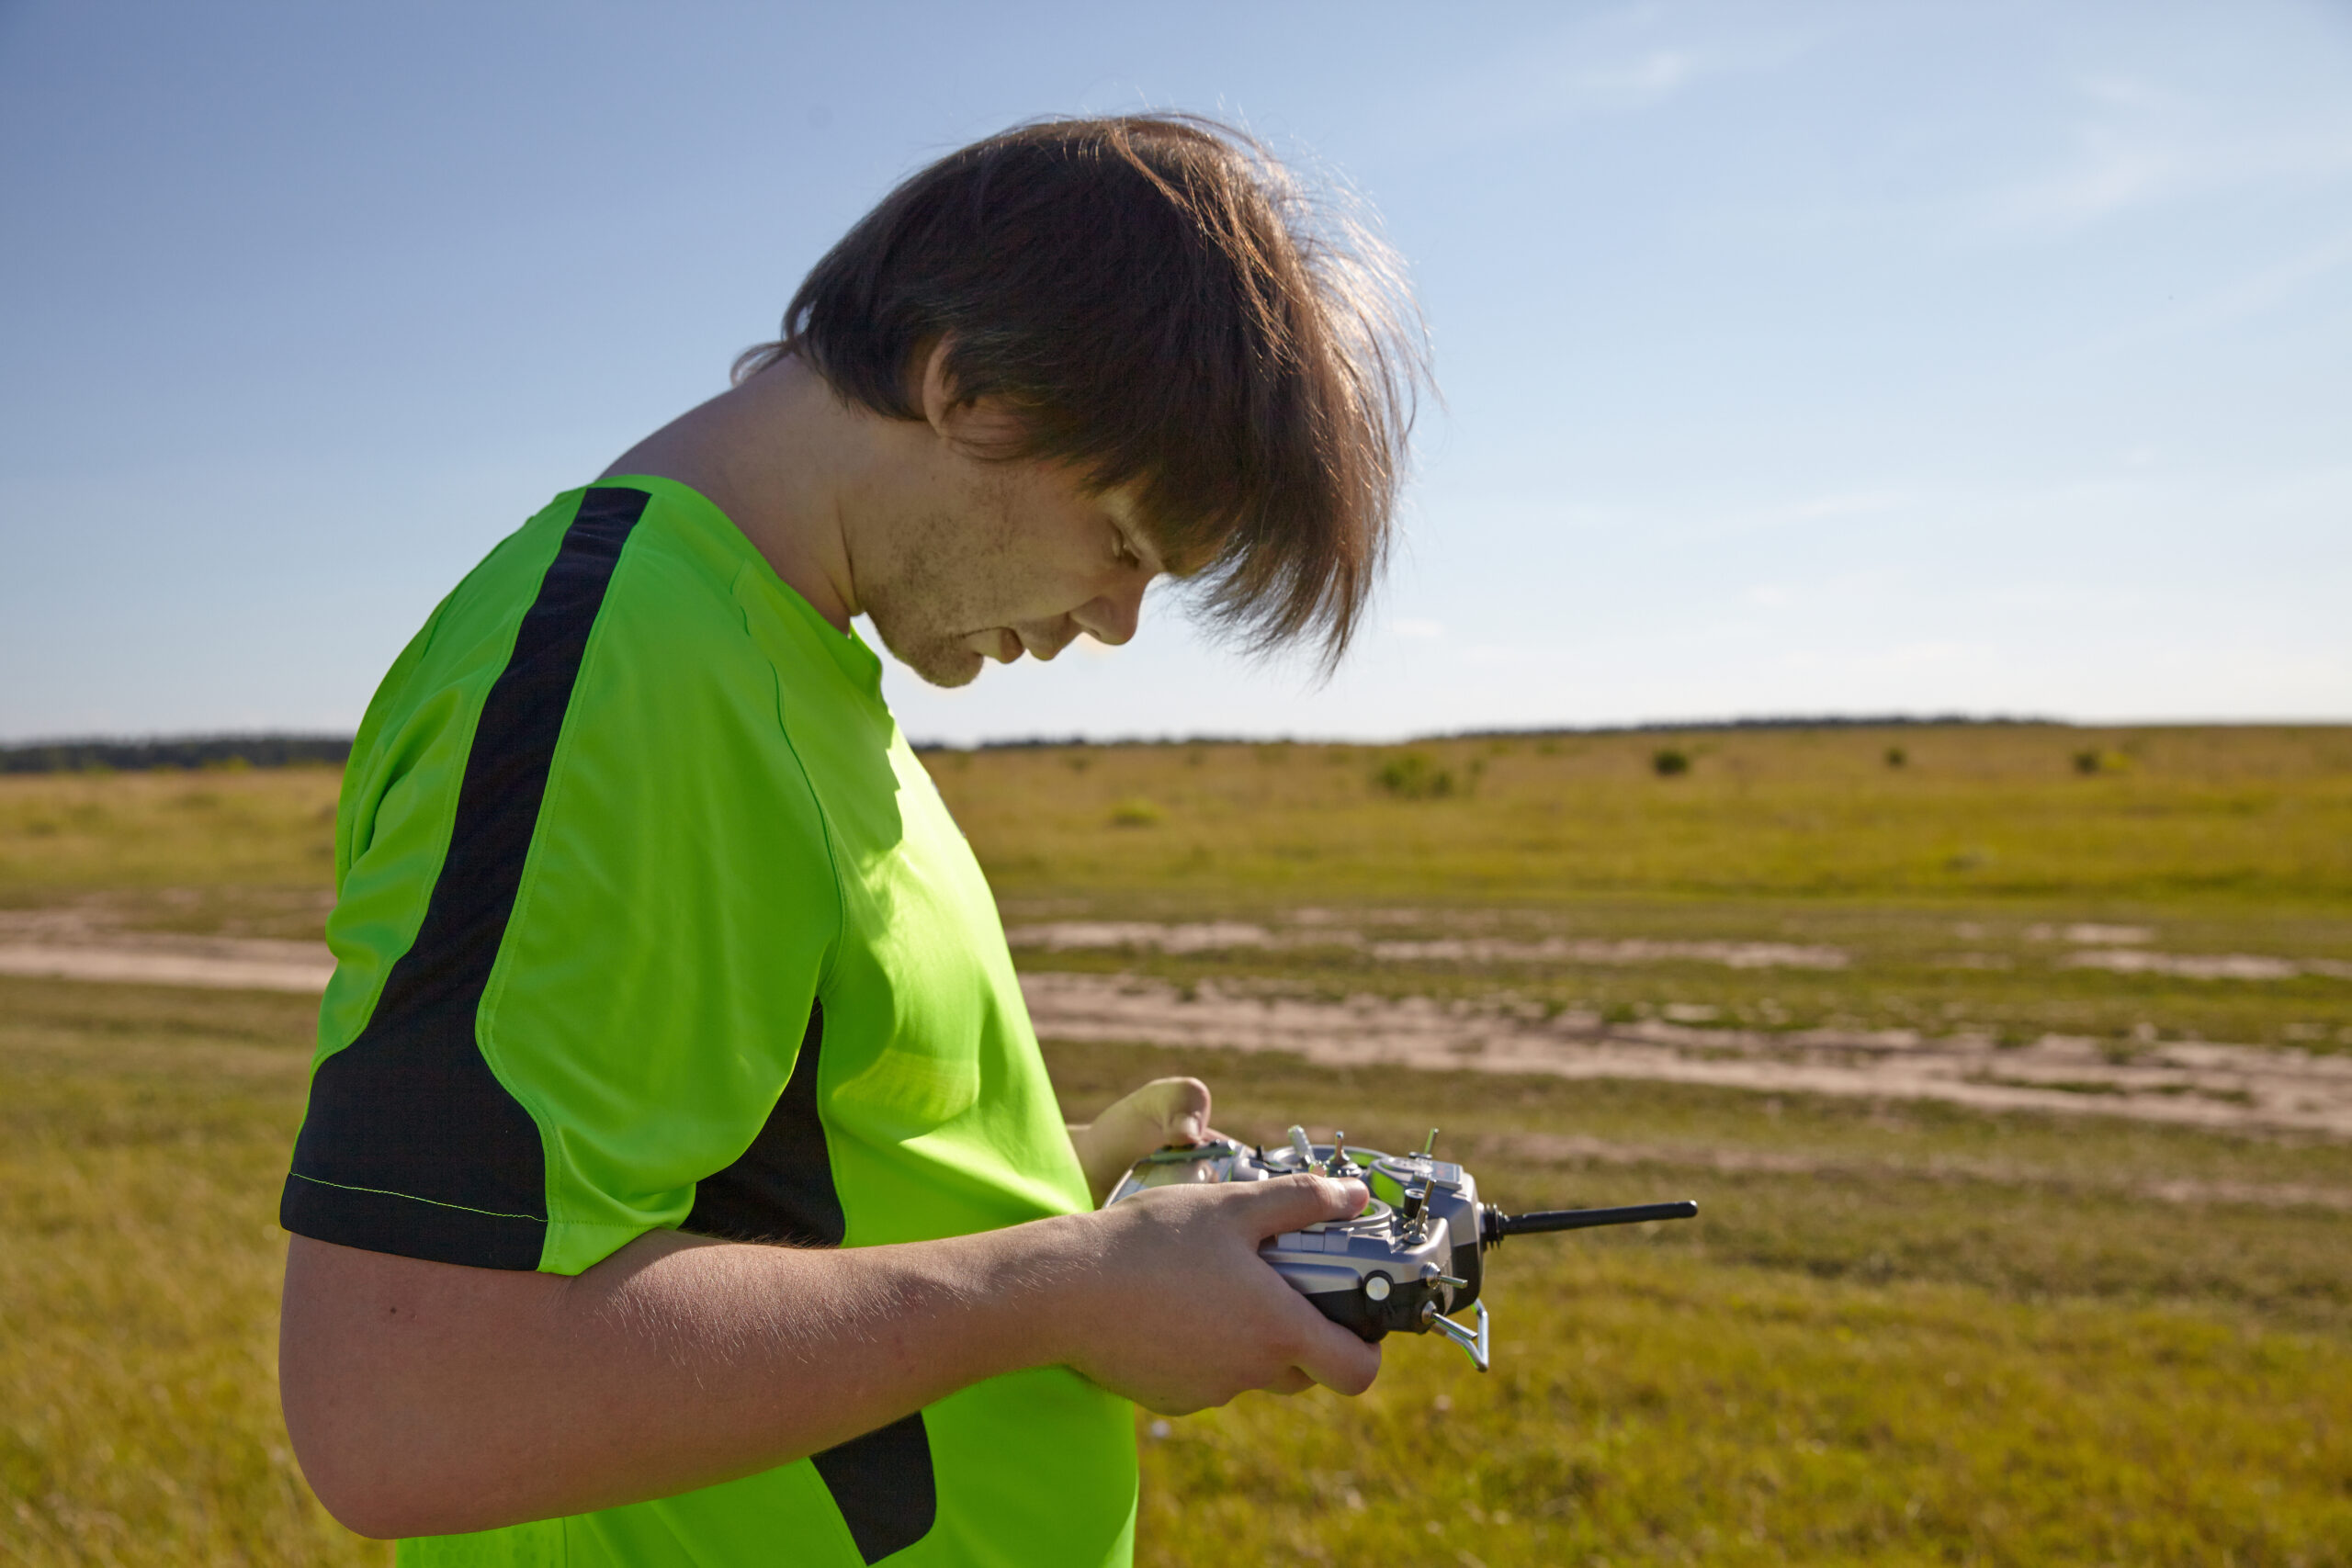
[(1172, 307)]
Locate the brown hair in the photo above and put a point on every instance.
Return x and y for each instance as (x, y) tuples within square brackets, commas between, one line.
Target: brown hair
[(1165, 306)]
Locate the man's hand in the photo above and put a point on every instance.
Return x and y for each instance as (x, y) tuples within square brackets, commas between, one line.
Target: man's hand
[(1163, 1111), (1185, 1315)]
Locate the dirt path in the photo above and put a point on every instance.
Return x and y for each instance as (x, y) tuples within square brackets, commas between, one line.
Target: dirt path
[(2215, 1085), (2201, 1084), (212, 962)]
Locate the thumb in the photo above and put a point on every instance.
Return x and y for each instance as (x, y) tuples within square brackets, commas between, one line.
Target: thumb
[(1182, 1106), (1286, 1202)]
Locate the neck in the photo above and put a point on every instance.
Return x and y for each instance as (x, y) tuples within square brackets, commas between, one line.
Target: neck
[(783, 458)]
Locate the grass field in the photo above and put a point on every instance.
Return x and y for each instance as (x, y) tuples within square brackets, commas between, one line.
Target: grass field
[(1945, 1338), (1897, 1332), (2260, 818), (1940, 878)]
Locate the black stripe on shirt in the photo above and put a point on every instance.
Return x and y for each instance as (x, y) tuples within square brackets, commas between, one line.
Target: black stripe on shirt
[(780, 1189), (411, 1145), (884, 1484)]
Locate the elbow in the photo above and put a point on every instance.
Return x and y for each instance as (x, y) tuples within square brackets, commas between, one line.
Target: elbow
[(380, 1419), (369, 1517), (361, 1504), (371, 1499), (367, 1467), (352, 1479)]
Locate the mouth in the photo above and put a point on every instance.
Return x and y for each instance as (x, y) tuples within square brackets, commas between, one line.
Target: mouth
[(1000, 643), (1007, 644)]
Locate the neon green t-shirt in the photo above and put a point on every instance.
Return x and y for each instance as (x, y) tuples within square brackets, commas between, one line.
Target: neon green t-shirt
[(648, 916)]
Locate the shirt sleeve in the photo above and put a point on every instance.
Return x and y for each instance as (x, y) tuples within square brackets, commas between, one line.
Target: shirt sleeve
[(621, 945)]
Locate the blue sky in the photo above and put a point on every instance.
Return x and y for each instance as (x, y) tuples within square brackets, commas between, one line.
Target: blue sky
[(1799, 358)]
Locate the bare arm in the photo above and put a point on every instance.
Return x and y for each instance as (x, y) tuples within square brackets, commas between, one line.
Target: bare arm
[(426, 1398)]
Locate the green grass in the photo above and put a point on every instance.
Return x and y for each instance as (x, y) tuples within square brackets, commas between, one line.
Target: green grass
[(1931, 875), (2217, 817), (1895, 1333), (2220, 839), (142, 1138), (2227, 818), (263, 827), (1650, 1411), (1956, 1338)]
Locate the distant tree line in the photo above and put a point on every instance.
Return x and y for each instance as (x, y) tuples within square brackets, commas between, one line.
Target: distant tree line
[(1789, 721), (1683, 727), (185, 751), (280, 750)]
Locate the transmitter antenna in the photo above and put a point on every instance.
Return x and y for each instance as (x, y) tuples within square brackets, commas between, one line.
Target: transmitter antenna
[(1497, 1224)]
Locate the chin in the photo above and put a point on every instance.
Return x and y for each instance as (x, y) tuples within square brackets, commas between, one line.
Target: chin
[(936, 661), (949, 666), (963, 674)]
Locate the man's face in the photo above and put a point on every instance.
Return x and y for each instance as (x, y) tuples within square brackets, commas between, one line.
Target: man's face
[(1002, 559)]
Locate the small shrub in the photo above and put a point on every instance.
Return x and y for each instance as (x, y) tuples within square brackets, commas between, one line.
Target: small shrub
[(1669, 762), (1413, 776), (2093, 763), (1896, 757), (1137, 812)]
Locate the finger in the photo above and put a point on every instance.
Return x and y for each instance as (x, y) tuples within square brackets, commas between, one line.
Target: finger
[(1341, 1362), (1287, 1202)]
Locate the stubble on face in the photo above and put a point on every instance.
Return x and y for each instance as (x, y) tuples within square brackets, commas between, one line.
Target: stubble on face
[(950, 573)]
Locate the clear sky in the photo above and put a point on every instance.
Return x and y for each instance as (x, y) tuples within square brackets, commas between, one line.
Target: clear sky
[(1796, 358)]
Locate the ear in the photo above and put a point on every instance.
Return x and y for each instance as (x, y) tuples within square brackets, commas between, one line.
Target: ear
[(937, 391), (976, 427)]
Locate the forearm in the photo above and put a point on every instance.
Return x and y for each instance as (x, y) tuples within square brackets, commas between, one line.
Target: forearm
[(431, 1400)]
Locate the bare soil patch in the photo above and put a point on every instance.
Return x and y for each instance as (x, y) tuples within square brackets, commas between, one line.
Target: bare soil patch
[(2190, 1083), (2187, 1083), (80, 942)]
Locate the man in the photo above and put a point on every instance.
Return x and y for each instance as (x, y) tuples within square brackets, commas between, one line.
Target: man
[(680, 1182)]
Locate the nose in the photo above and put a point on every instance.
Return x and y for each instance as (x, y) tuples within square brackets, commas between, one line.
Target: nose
[(1112, 617)]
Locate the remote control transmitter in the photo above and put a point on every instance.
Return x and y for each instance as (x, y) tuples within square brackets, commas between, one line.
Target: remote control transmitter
[(1413, 1258)]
